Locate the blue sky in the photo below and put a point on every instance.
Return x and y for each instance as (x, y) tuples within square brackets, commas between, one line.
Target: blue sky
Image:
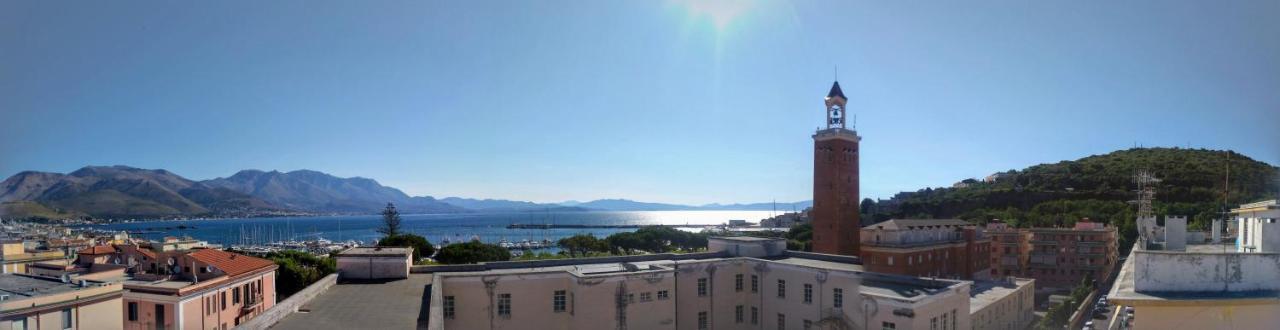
[(666, 101)]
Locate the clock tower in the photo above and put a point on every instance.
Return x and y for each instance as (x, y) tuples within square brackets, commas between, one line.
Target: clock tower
[(835, 181)]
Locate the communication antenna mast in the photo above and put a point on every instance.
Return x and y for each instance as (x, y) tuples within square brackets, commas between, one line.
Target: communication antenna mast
[(1146, 194)]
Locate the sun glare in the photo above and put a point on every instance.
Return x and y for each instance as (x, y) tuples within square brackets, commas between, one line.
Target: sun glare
[(721, 12)]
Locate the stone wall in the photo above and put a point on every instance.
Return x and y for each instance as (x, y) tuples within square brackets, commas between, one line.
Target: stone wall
[(290, 305), (1157, 271)]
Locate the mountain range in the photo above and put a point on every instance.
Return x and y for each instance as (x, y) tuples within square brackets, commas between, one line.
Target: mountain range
[(128, 192)]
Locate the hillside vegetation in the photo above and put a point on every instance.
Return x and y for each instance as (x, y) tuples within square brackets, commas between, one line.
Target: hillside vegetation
[(1100, 187)]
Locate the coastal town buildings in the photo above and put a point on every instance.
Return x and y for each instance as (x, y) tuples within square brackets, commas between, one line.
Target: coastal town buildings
[(740, 283), (947, 248), (1054, 257), (1205, 286), (835, 181), (16, 257), (41, 302)]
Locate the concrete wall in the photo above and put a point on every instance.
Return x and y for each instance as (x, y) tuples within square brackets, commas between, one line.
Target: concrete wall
[(1014, 311), (365, 267), (1175, 233), (748, 248), (1259, 316), (1157, 271), (290, 305)]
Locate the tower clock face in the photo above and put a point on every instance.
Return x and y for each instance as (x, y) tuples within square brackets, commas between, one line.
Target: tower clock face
[(835, 111)]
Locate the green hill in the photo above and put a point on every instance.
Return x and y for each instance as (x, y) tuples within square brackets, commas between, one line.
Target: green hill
[(1098, 187)]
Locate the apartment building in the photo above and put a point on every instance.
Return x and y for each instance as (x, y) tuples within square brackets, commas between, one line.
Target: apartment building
[(745, 283), (1002, 304), (41, 302), (948, 248), (178, 289), (14, 256), (1054, 257)]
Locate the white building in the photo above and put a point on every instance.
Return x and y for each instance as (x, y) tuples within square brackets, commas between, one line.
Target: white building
[(1258, 228)]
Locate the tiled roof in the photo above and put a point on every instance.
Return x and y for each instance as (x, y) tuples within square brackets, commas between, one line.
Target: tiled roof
[(917, 223), (100, 249), (231, 263)]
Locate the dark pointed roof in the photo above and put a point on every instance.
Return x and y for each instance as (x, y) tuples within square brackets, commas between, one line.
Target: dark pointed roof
[(835, 91)]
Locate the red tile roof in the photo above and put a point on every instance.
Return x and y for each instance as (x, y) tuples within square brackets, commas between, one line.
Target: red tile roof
[(231, 263), (96, 250)]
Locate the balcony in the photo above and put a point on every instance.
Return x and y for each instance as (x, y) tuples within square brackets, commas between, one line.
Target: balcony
[(1089, 243), (1043, 242)]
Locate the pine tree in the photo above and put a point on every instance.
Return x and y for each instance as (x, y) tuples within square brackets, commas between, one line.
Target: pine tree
[(390, 221)]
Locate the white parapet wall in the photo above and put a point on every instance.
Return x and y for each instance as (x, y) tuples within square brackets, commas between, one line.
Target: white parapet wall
[(1167, 271)]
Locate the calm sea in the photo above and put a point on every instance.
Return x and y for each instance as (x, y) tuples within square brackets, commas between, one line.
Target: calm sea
[(489, 227)]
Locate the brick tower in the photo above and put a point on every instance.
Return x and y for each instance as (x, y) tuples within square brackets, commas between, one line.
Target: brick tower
[(835, 181)]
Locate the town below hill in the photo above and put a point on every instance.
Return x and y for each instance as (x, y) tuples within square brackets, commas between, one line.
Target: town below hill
[(123, 192), (1194, 182)]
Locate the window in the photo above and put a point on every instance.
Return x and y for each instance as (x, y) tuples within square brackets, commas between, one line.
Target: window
[(782, 321), (702, 320), (448, 307), (755, 315), (224, 300), (646, 296), (133, 311), (944, 321), (808, 293), (737, 313), (838, 297), (208, 305), (808, 324), (557, 301), (66, 318), (702, 287), (888, 326), (755, 283), (737, 282), (933, 323), (782, 289), (235, 296), (953, 320), (889, 259), (631, 298), (504, 304), (909, 261), (20, 324), (662, 295)]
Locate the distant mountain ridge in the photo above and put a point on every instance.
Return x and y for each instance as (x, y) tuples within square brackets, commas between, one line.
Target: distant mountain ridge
[(128, 192), (319, 192)]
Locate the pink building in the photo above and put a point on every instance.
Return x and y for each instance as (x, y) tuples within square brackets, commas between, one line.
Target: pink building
[(188, 289)]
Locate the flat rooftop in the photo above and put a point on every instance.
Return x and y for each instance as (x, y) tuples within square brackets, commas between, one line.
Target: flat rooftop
[(983, 293), (1124, 291), (20, 286), (376, 252), (398, 304)]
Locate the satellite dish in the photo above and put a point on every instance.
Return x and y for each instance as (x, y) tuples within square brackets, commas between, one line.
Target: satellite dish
[(172, 261), (208, 269), (116, 260)]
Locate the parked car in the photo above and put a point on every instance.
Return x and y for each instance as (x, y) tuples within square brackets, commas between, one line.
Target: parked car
[(1088, 325)]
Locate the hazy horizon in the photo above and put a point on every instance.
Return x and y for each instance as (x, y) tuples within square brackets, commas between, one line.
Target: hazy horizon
[(683, 102)]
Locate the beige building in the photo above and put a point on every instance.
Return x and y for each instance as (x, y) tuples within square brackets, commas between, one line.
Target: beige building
[(1005, 304), (745, 283), (38, 302), (16, 258)]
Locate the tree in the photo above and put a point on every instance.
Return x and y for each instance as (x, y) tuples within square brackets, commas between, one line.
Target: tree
[(582, 244), (299, 270), (421, 247), (390, 221), (472, 252), (624, 242)]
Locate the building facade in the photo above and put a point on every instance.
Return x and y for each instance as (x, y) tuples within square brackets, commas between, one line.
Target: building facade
[(947, 248), (1258, 226), (40, 302), (1054, 257), (746, 284), (1002, 304), (835, 181)]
